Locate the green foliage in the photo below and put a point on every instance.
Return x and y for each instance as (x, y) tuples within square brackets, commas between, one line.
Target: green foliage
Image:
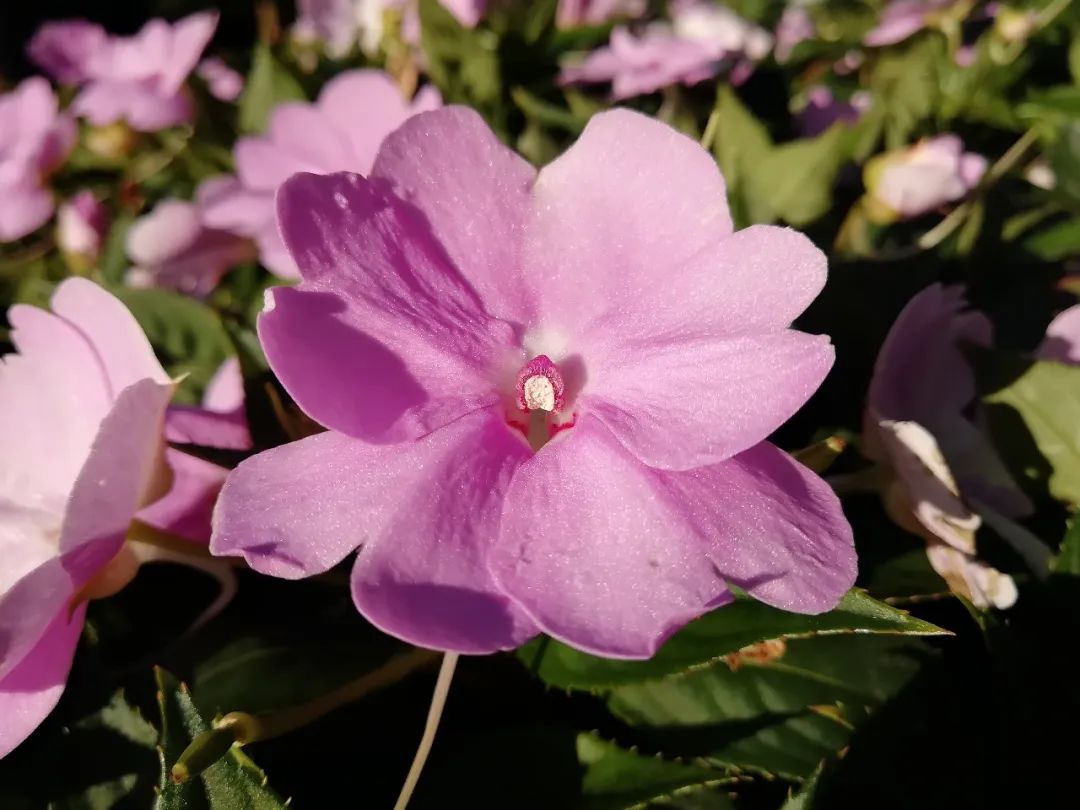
[(268, 84), (714, 635)]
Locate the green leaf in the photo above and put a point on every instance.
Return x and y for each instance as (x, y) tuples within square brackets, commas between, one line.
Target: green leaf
[(114, 258), (740, 144), (1068, 559), (905, 81), (617, 779), (1059, 241), (795, 180), (804, 799), (1045, 397), (231, 783), (269, 83), (714, 635), (187, 335), (779, 715)]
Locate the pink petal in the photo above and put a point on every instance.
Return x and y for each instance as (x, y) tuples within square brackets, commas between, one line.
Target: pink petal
[(225, 392), (687, 404), (623, 228), (424, 514), (1062, 341), (186, 509), (474, 193), (190, 36), (365, 106), (612, 557), (467, 12), (63, 49), (30, 691), (53, 396), (24, 207), (206, 428), (303, 133), (263, 164), (112, 330), (141, 105), (384, 340), (592, 551), (123, 470), (225, 204)]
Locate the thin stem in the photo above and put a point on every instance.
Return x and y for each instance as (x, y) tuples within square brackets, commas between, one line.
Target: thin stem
[(936, 235), (711, 126), (438, 701)]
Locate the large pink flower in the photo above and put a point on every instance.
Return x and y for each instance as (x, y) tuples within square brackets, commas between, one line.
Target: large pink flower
[(35, 137), (81, 411), (944, 470), (342, 131), (547, 394), (137, 79)]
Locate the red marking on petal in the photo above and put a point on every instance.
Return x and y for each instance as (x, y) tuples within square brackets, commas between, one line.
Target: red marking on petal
[(540, 366)]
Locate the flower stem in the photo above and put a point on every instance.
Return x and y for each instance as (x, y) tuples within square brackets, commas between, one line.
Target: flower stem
[(438, 701), (241, 728)]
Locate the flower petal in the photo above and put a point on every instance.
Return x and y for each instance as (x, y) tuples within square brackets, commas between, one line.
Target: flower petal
[(424, 514), (30, 691), (594, 554), (112, 330), (186, 509), (693, 403), (618, 221), (474, 193), (384, 340), (1062, 341)]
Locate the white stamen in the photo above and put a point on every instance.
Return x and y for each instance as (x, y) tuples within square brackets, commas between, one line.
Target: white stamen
[(539, 393)]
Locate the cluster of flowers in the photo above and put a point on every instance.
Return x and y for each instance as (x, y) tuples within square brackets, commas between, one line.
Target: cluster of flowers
[(546, 394)]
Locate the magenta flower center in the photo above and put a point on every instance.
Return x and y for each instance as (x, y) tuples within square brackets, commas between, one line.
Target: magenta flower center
[(540, 386)]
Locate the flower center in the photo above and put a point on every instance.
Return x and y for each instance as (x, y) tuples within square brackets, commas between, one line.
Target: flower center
[(540, 386)]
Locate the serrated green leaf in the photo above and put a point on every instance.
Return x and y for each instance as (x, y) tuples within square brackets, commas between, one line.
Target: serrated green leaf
[(1046, 398), (617, 779), (714, 635), (232, 782), (804, 799), (268, 84), (782, 715), (187, 335), (905, 81)]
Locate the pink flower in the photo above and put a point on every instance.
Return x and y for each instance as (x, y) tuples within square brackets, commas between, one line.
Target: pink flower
[(81, 225), (224, 83), (35, 137), (910, 182), (1062, 341), (644, 63), (822, 110), (902, 19), (795, 26), (467, 12), (84, 419), (83, 403), (547, 394), (171, 247), (137, 79), (340, 132), (338, 24), (943, 468), (721, 29), (572, 13)]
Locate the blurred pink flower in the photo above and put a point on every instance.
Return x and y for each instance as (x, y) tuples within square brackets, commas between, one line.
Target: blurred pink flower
[(572, 13), (822, 110), (81, 225), (943, 467), (224, 83), (81, 412), (902, 19), (172, 247), (547, 394), (909, 182), (795, 26), (342, 131), (467, 12), (35, 137), (1062, 341), (137, 79)]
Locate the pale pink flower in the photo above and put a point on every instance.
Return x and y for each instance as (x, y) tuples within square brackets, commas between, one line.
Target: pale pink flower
[(902, 19), (573, 13), (139, 80), (907, 183), (943, 467), (341, 131), (547, 394), (172, 247), (81, 225), (1062, 341), (224, 83), (795, 26), (35, 138)]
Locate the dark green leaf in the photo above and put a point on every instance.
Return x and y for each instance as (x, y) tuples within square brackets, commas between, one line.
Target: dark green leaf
[(717, 634), (1068, 559), (740, 144)]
